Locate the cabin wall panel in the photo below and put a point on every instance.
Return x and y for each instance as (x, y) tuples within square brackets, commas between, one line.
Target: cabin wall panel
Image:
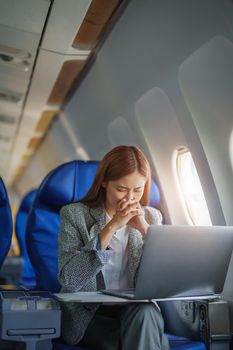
[(206, 80), (163, 141), (56, 149), (145, 49)]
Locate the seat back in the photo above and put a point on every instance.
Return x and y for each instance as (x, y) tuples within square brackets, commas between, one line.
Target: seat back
[(28, 275), (67, 183), (6, 223)]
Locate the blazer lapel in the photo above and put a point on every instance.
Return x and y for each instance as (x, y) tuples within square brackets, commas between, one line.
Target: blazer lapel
[(99, 217), (135, 246)]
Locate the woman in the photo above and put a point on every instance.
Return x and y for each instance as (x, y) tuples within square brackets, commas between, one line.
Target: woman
[(100, 245)]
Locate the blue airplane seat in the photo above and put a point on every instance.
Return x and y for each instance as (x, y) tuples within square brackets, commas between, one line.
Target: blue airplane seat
[(60, 346), (65, 184), (28, 275), (6, 223), (181, 343), (154, 195)]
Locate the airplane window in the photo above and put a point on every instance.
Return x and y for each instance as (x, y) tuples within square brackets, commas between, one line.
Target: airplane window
[(191, 189)]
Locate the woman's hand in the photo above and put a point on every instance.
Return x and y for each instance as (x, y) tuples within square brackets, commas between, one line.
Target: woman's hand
[(139, 222), (125, 211)]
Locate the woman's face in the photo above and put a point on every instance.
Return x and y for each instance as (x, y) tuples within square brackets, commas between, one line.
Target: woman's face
[(130, 187)]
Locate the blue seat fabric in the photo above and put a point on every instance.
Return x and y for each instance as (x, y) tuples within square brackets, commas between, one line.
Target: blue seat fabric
[(6, 225), (176, 343), (181, 343), (28, 275), (60, 346), (65, 184)]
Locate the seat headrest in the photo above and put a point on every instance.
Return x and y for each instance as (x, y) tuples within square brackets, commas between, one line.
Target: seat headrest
[(27, 201), (67, 183), (154, 194)]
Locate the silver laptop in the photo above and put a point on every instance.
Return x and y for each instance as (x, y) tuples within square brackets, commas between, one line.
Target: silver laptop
[(182, 261)]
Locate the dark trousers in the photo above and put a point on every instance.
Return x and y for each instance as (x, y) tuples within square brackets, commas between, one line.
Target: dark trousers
[(131, 327)]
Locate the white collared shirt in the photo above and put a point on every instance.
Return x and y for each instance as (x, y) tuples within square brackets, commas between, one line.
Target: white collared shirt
[(116, 270)]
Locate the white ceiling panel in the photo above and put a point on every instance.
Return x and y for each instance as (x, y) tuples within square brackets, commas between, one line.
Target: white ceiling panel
[(7, 130), (18, 39), (13, 83), (46, 72), (10, 109), (5, 146), (26, 15), (69, 14)]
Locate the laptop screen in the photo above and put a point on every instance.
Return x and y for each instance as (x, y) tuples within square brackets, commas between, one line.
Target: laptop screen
[(184, 261)]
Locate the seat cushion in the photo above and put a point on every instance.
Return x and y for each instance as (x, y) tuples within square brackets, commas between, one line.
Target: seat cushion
[(181, 343), (176, 343), (61, 346)]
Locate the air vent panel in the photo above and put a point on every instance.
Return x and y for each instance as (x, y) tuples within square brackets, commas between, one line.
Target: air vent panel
[(14, 52), (10, 96), (7, 119), (15, 57)]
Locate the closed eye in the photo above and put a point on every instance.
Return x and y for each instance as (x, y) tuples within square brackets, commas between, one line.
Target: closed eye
[(124, 189), (138, 190), (121, 189)]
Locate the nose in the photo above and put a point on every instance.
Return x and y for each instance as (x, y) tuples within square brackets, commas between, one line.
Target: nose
[(131, 196)]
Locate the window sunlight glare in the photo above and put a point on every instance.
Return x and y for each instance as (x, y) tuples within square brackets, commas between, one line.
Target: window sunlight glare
[(191, 189)]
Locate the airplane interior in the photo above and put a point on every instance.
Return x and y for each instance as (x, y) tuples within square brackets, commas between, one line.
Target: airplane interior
[(78, 78)]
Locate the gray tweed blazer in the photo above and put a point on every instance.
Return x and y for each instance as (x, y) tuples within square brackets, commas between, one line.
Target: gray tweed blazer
[(80, 262)]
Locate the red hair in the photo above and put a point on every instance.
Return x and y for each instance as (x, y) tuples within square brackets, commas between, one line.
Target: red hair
[(119, 162)]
